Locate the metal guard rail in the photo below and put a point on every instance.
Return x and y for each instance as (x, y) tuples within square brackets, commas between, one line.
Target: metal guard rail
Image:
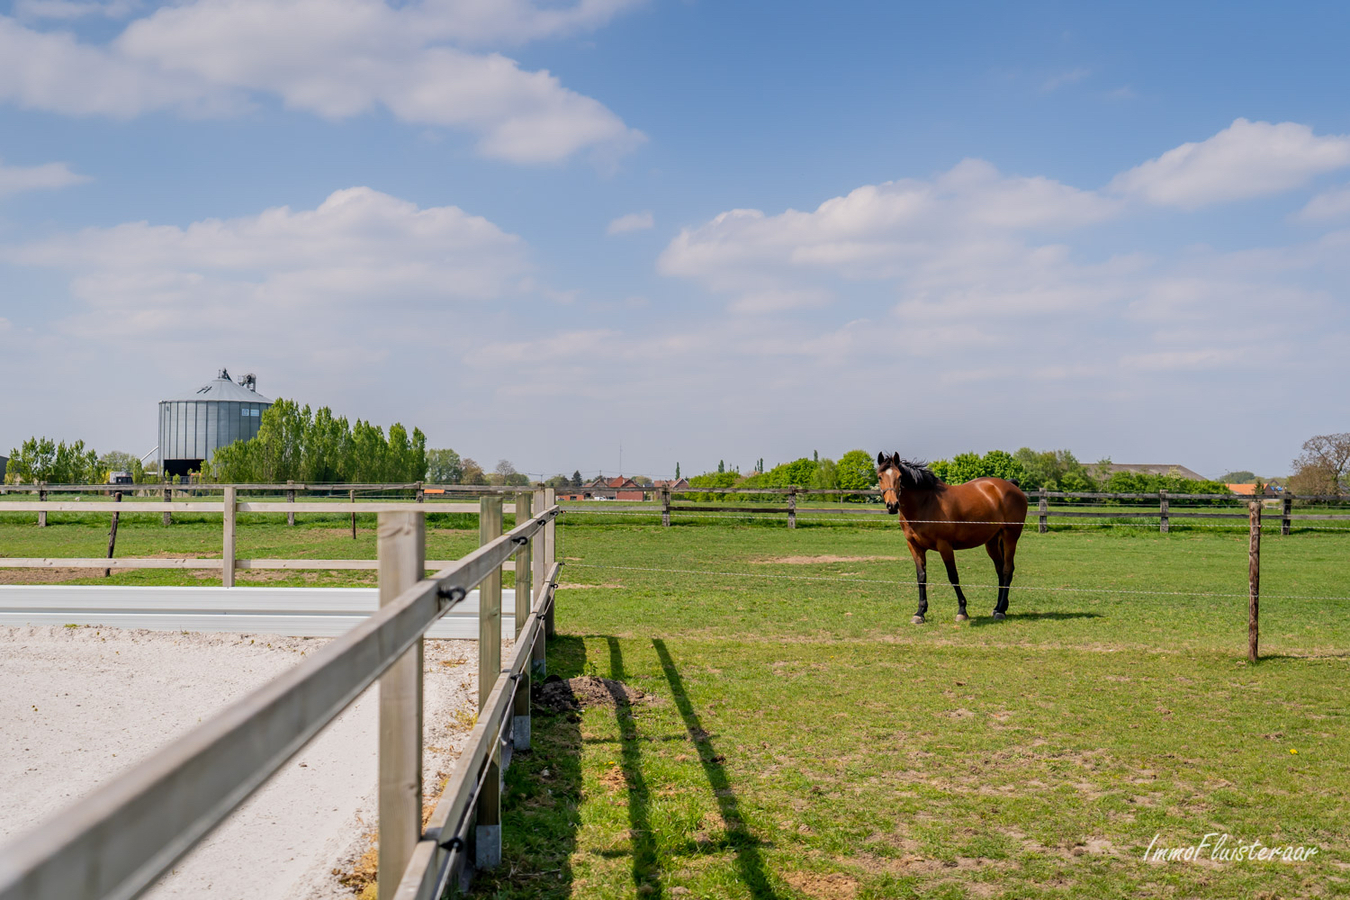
[(116, 841)]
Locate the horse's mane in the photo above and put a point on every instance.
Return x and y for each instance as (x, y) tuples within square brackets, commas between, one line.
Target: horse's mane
[(916, 475)]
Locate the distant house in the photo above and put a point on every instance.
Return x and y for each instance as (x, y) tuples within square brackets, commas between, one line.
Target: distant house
[(1249, 490), (1152, 469), (679, 484), (4, 461), (617, 488)]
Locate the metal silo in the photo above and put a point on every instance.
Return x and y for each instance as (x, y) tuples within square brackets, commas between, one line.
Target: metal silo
[(220, 412)]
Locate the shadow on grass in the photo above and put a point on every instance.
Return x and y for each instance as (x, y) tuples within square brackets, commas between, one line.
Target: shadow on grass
[(541, 804), (742, 841), (983, 621), (646, 867)]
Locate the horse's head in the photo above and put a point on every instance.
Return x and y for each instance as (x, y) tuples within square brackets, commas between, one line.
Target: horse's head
[(888, 479)]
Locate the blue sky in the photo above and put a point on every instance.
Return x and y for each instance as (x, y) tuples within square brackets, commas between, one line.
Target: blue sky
[(698, 230)]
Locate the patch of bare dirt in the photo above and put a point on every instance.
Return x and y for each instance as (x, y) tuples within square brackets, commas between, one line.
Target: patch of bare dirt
[(569, 695), (42, 576), (835, 886), (816, 560)]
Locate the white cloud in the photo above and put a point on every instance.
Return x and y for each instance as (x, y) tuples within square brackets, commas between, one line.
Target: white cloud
[(210, 57), (938, 241), (637, 221), (14, 179), (1247, 159), (1332, 204), (361, 254)]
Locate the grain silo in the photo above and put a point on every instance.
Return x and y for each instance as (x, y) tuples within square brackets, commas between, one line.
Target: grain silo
[(220, 412)]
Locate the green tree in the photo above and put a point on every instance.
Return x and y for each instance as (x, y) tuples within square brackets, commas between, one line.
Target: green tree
[(1242, 477), (45, 460), (968, 466), (294, 443), (677, 471), (827, 475), (856, 471), (444, 466)]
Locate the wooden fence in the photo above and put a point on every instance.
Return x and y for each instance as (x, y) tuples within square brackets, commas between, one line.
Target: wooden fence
[(228, 507), (115, 842), (1042, 512)]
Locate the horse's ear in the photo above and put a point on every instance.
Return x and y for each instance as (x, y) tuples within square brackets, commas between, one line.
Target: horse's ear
[(881, 459)]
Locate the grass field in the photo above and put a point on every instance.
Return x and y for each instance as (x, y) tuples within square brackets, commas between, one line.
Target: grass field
[(802, 739)]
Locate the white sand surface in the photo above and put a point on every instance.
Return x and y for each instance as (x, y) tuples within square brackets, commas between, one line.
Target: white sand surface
[(78, 705)]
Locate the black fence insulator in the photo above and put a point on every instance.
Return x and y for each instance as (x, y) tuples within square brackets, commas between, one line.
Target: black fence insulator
[(452, 594)]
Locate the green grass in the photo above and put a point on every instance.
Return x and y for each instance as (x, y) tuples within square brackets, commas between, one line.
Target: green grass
[(805, 740), (258, 536)]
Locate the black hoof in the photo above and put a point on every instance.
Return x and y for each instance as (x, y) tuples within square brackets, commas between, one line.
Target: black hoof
[(917, 620), (999, 615)]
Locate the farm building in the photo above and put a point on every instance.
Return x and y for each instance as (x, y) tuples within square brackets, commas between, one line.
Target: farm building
[(217, 414), (4, 461), (678, 484), (617, 488)]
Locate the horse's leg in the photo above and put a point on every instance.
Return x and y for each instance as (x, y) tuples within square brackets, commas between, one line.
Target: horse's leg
[(949, 559), (995, 550), (921, 570), (1010, 536)]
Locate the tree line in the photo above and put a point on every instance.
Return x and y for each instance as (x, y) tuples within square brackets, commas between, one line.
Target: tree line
[(43, 460), (1053, 470), (296, 444)]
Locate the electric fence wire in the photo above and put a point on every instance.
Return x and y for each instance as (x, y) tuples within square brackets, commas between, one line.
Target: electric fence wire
[(1267, 522), (939, 584), (901, 583)]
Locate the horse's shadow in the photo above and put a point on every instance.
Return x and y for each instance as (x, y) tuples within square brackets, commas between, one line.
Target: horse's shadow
[(984, 621)]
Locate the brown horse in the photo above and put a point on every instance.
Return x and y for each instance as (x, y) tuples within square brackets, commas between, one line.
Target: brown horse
[(947, 518)]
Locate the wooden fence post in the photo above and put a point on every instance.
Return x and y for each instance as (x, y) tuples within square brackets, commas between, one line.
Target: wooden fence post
[(1254, 580), (168, 498), (487, 851), (665, 507), (550, 553), (539, 658), (520, 727), (1164, 522), (401, 538), (112, 534), (792, 507), (227, 544), (1043, 510), (42, 516), (524, 564), (351, 498), (421, 493), (290, 498), (1286, 510)]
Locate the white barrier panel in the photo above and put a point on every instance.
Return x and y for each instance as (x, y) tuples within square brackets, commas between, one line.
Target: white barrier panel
[(290, 611)]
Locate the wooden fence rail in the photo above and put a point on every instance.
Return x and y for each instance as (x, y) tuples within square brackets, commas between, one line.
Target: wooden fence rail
[(229, 508), (116, 841), (1042, 512)]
